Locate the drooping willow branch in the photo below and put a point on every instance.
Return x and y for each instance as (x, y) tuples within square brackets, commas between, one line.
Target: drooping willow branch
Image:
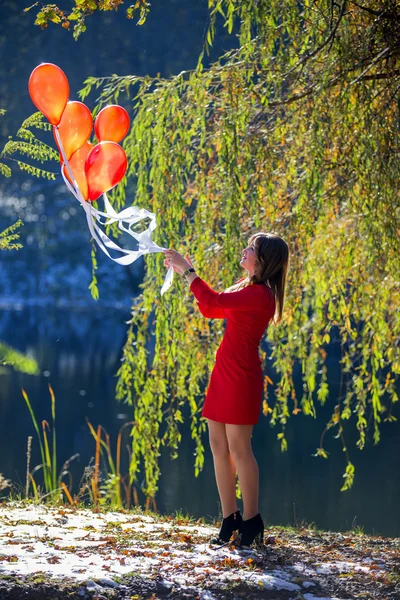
[(260, 141)]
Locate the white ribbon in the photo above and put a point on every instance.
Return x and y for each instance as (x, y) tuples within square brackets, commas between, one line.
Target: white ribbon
[(129, 216)]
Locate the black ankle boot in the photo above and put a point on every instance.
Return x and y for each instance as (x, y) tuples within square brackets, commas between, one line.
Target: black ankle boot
[(251, 530), (229, 525)]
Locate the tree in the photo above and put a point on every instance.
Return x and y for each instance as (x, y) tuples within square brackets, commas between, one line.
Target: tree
[(295, 131)]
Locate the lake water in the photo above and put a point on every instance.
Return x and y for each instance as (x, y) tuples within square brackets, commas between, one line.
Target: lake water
[(78, 352)]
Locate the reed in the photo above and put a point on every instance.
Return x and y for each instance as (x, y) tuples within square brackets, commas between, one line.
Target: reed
[(53, 416), (67, 493), (45, 464), (103, 479), (114, 489), (28, 464), (53, 484)]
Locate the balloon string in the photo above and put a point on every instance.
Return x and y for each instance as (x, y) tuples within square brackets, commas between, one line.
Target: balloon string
[(66, 163), (131, 215)]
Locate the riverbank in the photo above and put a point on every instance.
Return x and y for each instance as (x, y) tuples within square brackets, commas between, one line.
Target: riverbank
[(48, 552)]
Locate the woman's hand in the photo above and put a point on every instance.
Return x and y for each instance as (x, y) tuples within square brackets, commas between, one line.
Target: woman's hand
[(176, 260)]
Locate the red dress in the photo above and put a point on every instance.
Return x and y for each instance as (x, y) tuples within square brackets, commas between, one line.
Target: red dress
[(234, 394)]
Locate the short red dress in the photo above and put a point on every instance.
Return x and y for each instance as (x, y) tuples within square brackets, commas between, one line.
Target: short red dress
[(234, 394)]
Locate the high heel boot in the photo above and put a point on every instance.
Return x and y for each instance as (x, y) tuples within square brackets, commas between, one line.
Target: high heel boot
[(251, 530), (229, 525)]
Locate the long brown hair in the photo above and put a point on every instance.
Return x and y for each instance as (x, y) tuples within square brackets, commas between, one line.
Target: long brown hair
[(271, 266)]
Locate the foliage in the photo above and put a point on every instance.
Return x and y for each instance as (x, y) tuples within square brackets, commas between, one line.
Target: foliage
[(9, 237), (5, 170), (51, 13), (17, 360), (93, 288), (31, 146), (295, 132), (28, 145)]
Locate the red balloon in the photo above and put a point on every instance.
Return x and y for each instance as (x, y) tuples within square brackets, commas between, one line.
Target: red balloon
[(77, 164), (105, 166), (112, 123), (49, 90), (75, 127)]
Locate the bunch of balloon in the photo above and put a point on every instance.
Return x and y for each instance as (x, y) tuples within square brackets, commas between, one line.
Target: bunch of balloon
[(89, 170)]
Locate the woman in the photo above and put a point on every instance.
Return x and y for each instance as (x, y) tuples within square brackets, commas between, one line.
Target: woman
[(234, 395)]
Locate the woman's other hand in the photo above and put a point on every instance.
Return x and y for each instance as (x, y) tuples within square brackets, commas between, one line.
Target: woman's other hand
[(176, 260)]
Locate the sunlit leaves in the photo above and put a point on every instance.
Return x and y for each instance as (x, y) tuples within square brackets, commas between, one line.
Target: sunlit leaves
[(10, 236), (93, 287), (30, 146), (52, 13), (18, 361), (5, 170)]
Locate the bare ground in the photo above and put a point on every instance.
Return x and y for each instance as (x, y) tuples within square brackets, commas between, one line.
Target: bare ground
[(67, 553)]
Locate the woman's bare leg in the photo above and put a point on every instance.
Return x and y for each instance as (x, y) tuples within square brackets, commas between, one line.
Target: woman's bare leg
[(225, 471), (239, 442)]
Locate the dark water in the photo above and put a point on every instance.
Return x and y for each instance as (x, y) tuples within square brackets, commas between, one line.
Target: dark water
[(79, 352)]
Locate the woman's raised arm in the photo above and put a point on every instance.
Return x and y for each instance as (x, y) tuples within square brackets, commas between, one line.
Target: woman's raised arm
[(248, 298)]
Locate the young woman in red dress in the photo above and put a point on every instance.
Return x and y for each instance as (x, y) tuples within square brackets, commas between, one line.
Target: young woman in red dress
[(234, 395)]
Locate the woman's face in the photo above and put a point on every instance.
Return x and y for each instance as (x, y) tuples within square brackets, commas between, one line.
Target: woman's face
[(248, 260)]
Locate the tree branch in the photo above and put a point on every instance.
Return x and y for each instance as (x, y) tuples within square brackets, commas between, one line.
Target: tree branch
[(384, 13), (371, 64), (381, 75)]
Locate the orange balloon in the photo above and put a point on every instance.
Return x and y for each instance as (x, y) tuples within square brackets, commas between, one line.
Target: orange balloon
[(112, 123), (75, 127), (77, 164), (105, 166), (49, 90)]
